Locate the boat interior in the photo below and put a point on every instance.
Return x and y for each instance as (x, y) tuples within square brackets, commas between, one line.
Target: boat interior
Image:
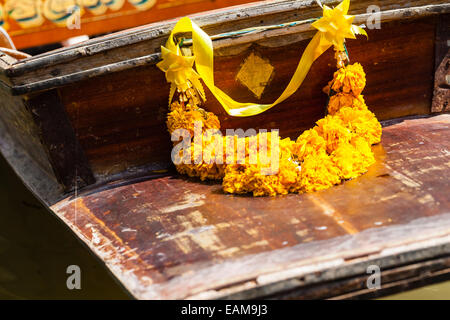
[(84, 127)]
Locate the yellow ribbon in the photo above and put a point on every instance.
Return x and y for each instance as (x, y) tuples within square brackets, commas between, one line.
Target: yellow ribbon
[(334, 27), (179, 70)]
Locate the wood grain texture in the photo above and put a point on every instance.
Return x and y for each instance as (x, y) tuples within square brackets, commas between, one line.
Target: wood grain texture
[(21, 145), (393, 280), (119, 118), (59, 141), (177, 238), (441, 93)]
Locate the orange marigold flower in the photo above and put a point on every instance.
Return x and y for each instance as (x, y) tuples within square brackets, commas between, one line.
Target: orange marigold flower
[(352, 160), (207, 168), (307, 143), (253, 177), (365, 150), (349, 79), (318, 172), (334, 132), (184, 117), (341, 100), (362, 123)]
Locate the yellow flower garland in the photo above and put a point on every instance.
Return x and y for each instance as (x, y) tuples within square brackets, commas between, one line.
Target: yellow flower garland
[(336, 149)]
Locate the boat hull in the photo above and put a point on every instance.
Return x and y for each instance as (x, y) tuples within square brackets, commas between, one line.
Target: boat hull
[(84, 127)]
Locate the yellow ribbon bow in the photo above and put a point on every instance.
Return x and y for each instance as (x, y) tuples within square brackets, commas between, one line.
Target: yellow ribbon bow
[(334, 27), (179, 70)]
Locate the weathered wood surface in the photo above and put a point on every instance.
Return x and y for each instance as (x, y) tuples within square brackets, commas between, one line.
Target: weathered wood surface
[(441, 93), (56, 132), (172, 237), (394, 279), (21, 145)]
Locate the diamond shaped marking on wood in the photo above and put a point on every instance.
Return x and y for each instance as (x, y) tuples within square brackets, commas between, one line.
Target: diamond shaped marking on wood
[(255, 73)]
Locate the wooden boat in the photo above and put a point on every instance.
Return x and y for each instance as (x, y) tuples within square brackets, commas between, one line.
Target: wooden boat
[(84, 128)]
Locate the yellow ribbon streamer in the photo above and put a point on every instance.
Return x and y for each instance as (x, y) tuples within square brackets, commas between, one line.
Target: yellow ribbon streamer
[(334, 27)]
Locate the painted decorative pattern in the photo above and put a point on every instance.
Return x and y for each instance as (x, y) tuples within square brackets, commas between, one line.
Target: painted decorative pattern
[(2, 16), (33, 13)]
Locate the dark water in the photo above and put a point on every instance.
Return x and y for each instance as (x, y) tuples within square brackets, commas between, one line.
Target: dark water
[(36, 249), (439, 291)]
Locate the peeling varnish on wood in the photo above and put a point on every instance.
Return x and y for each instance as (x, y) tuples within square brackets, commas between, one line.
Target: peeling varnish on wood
[(191, 200), (113, 255), (255, 244), (302, 233), (195, 232), (427, 199), (329, 211), (403, 179), (97, 235)]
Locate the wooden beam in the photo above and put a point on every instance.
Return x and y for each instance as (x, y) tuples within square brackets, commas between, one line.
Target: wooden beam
[(60, 142)]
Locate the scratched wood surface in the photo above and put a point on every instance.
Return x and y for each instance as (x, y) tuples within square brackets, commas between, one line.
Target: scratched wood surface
[(173, 237)]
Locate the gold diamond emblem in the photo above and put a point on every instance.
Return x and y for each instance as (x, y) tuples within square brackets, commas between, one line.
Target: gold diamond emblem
[(255, 73)]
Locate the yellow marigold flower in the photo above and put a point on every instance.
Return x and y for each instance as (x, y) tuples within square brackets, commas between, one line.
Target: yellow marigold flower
[(234, 180), (205, 169), (341, 100), (349, 79), (318, 172), (362, 123), (334, 132), (202, 170), (352, 161), (250, 178), (307, 143), (365, 150), (184, 117)]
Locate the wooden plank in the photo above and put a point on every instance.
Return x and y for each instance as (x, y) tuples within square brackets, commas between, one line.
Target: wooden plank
[(21, 146), (172, 237), (142, 42), (393, 279), (59, 141)]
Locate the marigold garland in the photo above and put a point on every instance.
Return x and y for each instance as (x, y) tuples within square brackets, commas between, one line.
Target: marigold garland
[(349, 79), (336, 149)]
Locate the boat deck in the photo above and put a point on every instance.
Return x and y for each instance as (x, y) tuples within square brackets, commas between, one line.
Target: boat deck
[(174, 238)]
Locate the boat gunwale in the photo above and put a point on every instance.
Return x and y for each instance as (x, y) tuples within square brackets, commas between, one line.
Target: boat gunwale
[(230, 41), (208, 19)]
